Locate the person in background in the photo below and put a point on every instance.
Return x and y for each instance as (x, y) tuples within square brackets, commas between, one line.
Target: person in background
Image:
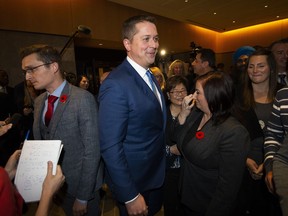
[(159, 76), (25, 94), (220, 67), (104, 76), (279, 49), (276, 149), (73, 119), (213, 145), (240, 58), (204, 62), (132, 120), (177, 67), (8, 106), (71, 78), (83, 82), (175, 89), (259, 90)]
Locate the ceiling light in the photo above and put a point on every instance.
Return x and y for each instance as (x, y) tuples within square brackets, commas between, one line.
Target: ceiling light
[(163, 52), (277, 17), (215, 13), (186, 1), (266, 6), (234, 21)]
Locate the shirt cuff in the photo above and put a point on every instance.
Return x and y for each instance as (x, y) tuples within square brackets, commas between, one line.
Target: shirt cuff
[(82, 201), (132, 199)]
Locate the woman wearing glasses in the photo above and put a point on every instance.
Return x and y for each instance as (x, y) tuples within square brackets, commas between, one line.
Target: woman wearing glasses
[(176, 90)]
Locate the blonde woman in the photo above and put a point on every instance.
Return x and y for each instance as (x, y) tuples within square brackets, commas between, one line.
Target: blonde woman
[(159, 76), (177, 67)]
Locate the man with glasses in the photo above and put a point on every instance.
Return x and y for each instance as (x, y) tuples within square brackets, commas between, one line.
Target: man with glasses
[(67, 113)]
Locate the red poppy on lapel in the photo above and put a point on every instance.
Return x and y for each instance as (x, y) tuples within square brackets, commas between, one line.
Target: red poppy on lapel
[(63, 98), (199, 135)]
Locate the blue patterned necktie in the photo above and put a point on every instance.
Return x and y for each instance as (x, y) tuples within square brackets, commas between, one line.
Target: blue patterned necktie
[(153, 86), (149, 75)]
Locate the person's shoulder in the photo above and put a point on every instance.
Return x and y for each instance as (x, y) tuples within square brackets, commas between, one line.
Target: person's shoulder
[(231, 123), (79, 92), (282, 92), (40, 97)]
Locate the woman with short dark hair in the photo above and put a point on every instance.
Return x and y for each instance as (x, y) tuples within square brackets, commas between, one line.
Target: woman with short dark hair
[(213, 145)]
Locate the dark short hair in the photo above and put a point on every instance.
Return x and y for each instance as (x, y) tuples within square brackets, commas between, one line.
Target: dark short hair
[(208, 55), (219, 93), (45, 53), (128, 28), (281, 41), (175, 80)]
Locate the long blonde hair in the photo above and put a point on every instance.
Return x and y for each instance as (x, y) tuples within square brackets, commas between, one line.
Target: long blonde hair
[(157, 72), (173, 65)]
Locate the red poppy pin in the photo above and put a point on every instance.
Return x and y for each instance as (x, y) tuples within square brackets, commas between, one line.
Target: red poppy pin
[(63, 98), (199, 135)]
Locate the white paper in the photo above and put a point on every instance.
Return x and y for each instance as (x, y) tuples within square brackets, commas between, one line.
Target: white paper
[(32, 166)]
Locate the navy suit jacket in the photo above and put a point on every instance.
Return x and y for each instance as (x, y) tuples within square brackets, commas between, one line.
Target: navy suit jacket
[(131, 125)]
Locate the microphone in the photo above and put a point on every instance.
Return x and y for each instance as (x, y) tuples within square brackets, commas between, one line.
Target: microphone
[(80, 28), (84, 29), (14, 119)]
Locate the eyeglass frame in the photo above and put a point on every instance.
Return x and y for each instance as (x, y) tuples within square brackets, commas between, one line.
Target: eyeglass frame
[(31, 70), (178, 92)]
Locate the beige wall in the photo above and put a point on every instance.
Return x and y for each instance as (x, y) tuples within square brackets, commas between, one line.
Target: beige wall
[(60, 18)]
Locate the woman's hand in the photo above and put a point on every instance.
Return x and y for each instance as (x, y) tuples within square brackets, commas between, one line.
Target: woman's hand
[(12, 163), (187, 104), (4, 127), (174, 150), (256, 171)]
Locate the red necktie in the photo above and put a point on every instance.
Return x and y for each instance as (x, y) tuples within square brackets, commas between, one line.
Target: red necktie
[(50, 108)]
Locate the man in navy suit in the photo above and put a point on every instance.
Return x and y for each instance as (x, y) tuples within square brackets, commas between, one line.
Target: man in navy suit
[(132, 121)]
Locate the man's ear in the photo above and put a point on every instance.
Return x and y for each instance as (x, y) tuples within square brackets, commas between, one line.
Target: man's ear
[(54, 66), (205, 63), (127, 44)]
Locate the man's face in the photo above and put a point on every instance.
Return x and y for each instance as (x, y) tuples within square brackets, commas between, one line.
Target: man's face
[(280, 52), (142, 48), (242, 62), (41, 77), (198, 65)]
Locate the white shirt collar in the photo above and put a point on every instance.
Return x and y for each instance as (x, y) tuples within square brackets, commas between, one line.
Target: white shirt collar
[(140, 70)]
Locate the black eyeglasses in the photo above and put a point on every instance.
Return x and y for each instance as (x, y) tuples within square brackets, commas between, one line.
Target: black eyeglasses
[(32, 69)]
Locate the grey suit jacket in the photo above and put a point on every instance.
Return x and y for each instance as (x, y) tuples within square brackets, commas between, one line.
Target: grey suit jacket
[(74, 122)]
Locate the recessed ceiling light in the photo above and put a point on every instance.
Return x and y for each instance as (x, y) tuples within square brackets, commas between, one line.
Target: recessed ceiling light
[(266, 6), (234, 21), (163, 52), (100, 44), (215, 13), (186, 1), (277, 17)]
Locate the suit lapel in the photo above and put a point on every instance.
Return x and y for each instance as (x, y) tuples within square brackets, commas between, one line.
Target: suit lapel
[(147, 91), (38, 113), (61, 106)]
